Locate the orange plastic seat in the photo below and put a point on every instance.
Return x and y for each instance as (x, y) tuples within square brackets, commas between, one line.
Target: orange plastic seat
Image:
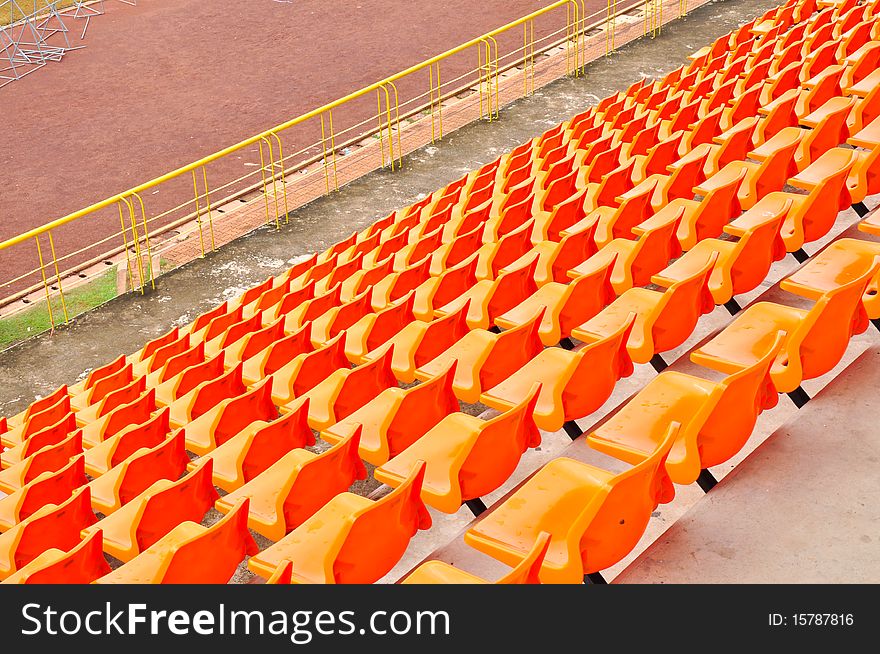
[(706, 218), (133, 413), (635, 207), (116, 449), (494, 256), (122, 483), (191, 554), (840, 263), (160, 356), (420, 342), (311, 309), (340, 318), (346, 390), (466, 457), (716, 418), (112, 400), (152, 514), (81, 565), (229, 417), (185, 381), (351, 539), (91, 379), (565, 305), (366, 278), (35, 407), (816, 338), (149, 349), (397, 418), (390, 289), (218, 325), (293, 488), (594, 517), (526, 572), (176, 364), (277, 355), (483, 359), (256, 447), (51, 435), (54, 526), (288, 303), (555, 259), (205, 397), (664, 320), (306, 371), (37, 422), (46, 460), (252, 293), (376, 329), (573, 383), (742, 265), (100, 389), (439, 291), (252, 344), (48, 488), (233, 334)]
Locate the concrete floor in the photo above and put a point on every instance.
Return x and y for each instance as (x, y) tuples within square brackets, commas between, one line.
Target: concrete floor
[(38, 366)]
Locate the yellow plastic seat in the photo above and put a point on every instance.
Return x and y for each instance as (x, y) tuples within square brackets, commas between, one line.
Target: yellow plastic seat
[(293, 488), (351, 539), (574, 383), (191, 554), (397, 418), (466, 457), (594, 517), (526, 572), (256, 447), (716, 418), (815, 341), (841, 262)]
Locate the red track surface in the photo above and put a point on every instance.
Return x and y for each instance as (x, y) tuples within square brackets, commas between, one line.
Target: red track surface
[(169, 81)]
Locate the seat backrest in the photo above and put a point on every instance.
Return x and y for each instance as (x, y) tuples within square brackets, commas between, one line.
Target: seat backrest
[(364, 383), (574, 248), (390, 320), (51, 488), (214, 391), (120, 396), (161, 355), (46, 418), (275, 439), (321, 304), (440, 334), (110, 383), (316, 366), (350, 312), (288, 348), (196, 374), (50, 435), (53, 457), (682, 304), (588, 295), (133, 413), (420, 409), (455, 282), (259, 340), (511, 288), (380, 533), (512, 246), (221, 323), (663, 154), (240, 411), (293, 299), (44, 403), (147, 434), (512, 349), (167, 460)]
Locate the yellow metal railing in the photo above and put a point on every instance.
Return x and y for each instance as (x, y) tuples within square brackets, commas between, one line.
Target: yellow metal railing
[(273, 176)]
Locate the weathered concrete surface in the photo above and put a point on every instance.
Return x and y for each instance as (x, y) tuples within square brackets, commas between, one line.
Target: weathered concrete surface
[(38, 366), (802, 508)]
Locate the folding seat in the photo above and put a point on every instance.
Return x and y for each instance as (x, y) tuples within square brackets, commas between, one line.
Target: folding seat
[(341, 272), (423, 246), (659, 157), (705, 129), (469, 221), (306, 371), (487, 299), (865, 110), (392, 288), (277, 355), (202, 320), (420, 342), (326, 326), (54, 526), (251, 294), (348, 389), (599, 166), (775, 165), (706, 218), (146, 518), (818, 90), (36, 423), (664, 320), (100, 389), (116, 449), (854, 38), (643, 141), (842, 261), (176, 364), (396, 418), (81, 565), (48, 488), (565, 306), (317, 272), (864, 179), (617, 222), (558, 182), (48, 459), (683, 175), (351, 539), (778, 114), (160, 356), (745, 105), (633, 262), (483, 358), (293, 488), (124, 482), (457, 250), (526, 572), (91, 379), (150, 348), (466, 457), (494, 256), (741, 265), (820, 59), (716, 418), (555, 259), (861, 73), (613, 185), (548, 225), (829, 130), (253, 343), (311, 309), (813, 215), (135, 412), (573, 383), (233, 334), (180, 384), (206, 396), (375, 329), (510, 217), (595, 517), (815, 341), (51, 435)]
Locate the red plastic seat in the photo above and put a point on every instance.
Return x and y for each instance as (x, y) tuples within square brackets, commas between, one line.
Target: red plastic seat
[(51, 435), (307, 370), (116, 449), (81, 565), (134, 413), (48, 488), (48, 459), (206, 396)]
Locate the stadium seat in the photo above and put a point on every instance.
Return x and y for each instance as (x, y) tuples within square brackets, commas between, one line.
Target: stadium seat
[(526, 572), (136, 412), (297, 485), (81, 565), (594, 517), (116, 449), (51, 435), (191, 553), (305, 371), (48, 488), (36, 422), (48, 459), (351, 539)]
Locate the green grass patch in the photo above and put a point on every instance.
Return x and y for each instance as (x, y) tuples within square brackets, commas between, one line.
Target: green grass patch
[(29, 6), (35, 320)]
